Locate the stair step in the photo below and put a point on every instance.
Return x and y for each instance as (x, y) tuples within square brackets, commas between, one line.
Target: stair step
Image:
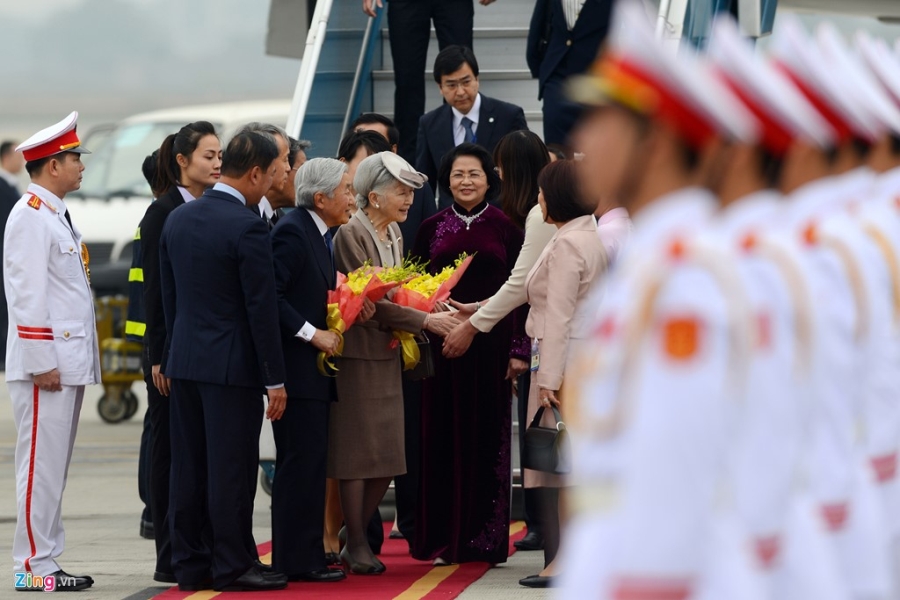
[(501, 48)]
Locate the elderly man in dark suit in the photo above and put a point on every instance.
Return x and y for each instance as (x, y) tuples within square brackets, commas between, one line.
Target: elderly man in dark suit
[(304, 272), (222, 347), (563, 40), (467, 115)]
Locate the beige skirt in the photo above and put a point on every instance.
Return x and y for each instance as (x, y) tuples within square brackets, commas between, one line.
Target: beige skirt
[(365, 437)]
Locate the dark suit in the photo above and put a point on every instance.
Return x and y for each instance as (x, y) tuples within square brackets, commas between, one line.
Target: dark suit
[(409, 22), (222, 347), (495, 119), (154, 340), (567, 53), (8, 197), (304, 272)]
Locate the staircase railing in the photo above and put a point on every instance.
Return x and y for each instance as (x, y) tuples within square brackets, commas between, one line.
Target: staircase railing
[(335, 79)]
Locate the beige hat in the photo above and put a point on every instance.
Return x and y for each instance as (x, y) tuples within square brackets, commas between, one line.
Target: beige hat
[(402, 170)]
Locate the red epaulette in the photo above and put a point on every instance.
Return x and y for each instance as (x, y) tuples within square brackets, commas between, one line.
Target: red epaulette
[(35, 202)]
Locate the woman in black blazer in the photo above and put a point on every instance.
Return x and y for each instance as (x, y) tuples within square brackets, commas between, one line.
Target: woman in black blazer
[(189, 162)]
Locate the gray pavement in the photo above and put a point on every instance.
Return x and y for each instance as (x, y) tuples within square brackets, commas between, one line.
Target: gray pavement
[(101, 512)]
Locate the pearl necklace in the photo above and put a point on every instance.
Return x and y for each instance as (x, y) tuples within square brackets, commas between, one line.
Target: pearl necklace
[(468, 220), (388, 242)]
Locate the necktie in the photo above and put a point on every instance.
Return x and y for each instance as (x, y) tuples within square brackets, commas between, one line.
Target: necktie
[(467, 125), (68, 219), (330, 246)]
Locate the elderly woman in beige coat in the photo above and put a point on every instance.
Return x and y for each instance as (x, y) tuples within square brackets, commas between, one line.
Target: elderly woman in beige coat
[(560, 280), (365, 445)]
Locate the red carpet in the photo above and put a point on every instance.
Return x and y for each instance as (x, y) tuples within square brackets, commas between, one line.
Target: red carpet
[(405, 579)]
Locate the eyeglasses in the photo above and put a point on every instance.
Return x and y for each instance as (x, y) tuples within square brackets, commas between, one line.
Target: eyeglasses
[(471, 176), (465, 82)]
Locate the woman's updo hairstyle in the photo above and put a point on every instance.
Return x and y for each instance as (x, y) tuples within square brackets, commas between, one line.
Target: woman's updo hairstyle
[(184, 142)]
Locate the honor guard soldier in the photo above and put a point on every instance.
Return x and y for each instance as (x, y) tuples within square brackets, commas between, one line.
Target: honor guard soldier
[(790, 553), (653, 414), (855, 342), (881, 219), (52, 348)]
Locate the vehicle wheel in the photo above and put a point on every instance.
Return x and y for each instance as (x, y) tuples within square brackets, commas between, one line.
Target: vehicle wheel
[(111, 409), (131, 403), (266, 482)]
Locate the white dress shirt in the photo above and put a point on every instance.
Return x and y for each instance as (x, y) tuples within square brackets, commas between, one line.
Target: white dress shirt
[(224, 187), (572, 8), (186, 194), (459, 132)]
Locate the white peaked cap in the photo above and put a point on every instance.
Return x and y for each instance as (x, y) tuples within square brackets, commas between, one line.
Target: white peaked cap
[(792, 48), (637, 71), (49, 141), (782, 110), (883, 63), (859, 80)]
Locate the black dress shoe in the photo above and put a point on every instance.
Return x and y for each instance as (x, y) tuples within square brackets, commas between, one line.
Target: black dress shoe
[(531, 541), (71, 583), (536, 581), (147, 531), (264, 567), (253, 580), (319, 575), (164, 577)]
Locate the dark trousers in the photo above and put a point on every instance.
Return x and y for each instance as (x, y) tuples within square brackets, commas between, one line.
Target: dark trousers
[(409, 22), (160, 463), (560, 114), (144, 471), (215, 442), (298, 490), (406, 487)]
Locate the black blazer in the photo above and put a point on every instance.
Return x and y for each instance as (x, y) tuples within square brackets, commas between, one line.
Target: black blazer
[(303, 275), (151, 231), (218, 289), (435, 138), (568, 52)]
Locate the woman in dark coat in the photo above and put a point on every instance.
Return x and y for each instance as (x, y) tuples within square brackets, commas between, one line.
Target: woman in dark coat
[(463, 509)]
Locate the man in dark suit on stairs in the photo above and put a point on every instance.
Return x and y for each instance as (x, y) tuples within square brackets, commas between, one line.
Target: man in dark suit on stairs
[(467, 115), (222, 348), (304, 273), (563, 40)]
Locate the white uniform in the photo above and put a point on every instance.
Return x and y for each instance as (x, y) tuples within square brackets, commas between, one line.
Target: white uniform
[(51, 326), (851, 276), (652, 417)]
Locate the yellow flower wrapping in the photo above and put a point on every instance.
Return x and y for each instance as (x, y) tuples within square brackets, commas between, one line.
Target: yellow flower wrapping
[(408, 348), (335, 322)]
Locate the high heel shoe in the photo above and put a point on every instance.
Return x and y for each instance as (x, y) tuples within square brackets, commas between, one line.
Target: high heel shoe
[(358, 568), (379, 566), (342, 536), (332, 559)]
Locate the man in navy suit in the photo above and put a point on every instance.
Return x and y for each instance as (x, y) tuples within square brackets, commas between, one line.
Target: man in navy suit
[(563, 40), (222, 347), (304, 273), (467, 115)]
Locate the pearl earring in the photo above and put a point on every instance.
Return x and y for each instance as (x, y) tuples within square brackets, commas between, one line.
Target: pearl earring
[(377, 205)]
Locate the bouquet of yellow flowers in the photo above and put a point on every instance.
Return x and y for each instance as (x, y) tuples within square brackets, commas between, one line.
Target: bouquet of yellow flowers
[(346, 300), (423, 292)]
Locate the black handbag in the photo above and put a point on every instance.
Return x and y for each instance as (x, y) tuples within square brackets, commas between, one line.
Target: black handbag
[(547, 449), (425, 367)]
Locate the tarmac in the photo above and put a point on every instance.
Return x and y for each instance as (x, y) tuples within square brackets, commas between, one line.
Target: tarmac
[(102, 509)]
